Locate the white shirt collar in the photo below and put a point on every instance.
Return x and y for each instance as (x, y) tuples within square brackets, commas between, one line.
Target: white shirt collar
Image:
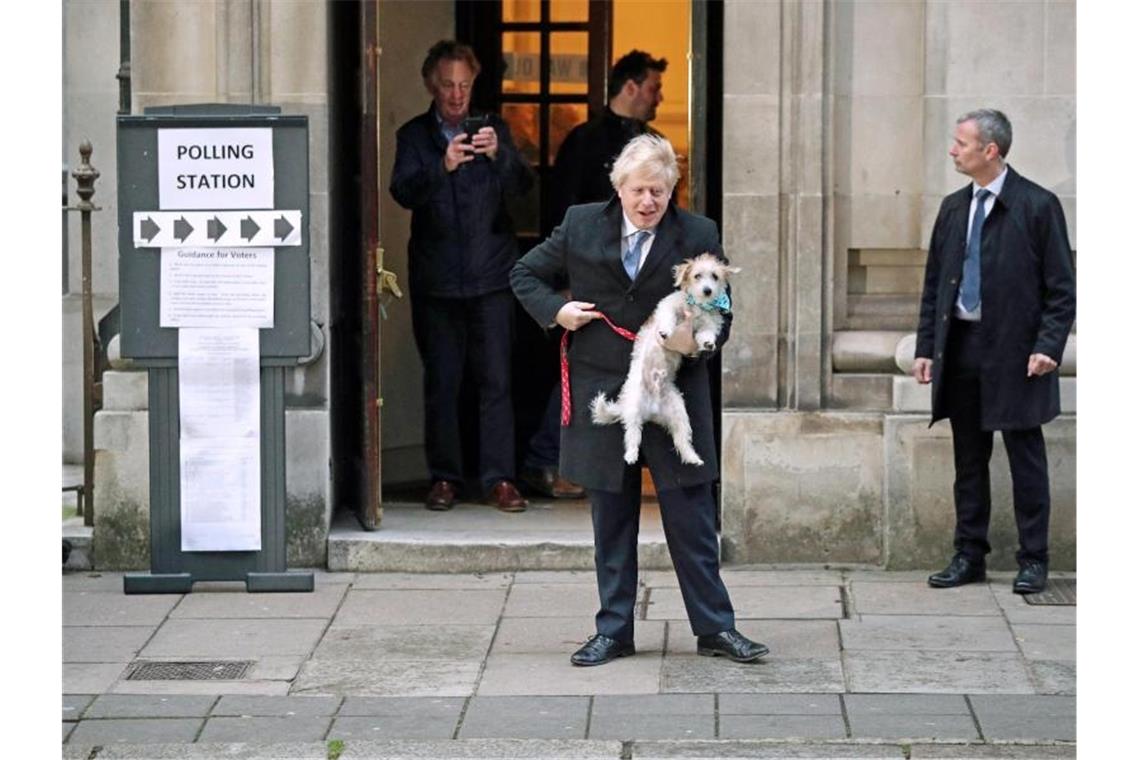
[(995, 186), (628, 227)]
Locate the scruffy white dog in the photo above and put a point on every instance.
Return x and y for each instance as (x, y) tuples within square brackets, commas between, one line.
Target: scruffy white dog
[(685, 322)]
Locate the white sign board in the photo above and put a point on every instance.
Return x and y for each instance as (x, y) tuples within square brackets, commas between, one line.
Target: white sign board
[(216, 287), (215, 168)]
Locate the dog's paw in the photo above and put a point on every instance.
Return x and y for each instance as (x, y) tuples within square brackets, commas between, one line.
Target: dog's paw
[(630, 457), (692, 459)]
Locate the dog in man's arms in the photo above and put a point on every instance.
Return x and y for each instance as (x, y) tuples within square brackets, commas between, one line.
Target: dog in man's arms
[(684, 323)]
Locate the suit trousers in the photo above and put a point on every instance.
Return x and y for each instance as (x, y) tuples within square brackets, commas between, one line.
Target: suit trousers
[(455, 336), (973, 446), (689, 519)]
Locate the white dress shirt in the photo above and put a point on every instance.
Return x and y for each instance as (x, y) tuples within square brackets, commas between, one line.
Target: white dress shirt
[(994, 188), (628, 230)]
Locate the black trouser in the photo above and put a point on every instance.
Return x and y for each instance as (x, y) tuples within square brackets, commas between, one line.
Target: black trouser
[(454, 335), (1028, 465), (689, 518)]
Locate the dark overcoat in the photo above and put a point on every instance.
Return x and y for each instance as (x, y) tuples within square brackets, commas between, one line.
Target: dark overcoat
[(1028, 300), (463, 242), (585, 251)]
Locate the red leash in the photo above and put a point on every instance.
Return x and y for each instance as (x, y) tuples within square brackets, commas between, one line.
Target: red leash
[(565, 362)]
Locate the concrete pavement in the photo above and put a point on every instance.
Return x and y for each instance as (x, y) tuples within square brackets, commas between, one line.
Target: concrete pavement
[(864, 664)]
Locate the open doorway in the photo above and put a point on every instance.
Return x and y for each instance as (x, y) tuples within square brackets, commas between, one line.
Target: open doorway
[(544, 69)]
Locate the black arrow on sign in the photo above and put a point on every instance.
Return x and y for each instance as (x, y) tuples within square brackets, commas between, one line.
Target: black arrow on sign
[(215, 229), (149, 229), (249, 228), (182, 229), (281, 228)]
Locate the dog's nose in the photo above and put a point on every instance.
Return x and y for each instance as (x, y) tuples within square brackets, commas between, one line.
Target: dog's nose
[(708, 291)]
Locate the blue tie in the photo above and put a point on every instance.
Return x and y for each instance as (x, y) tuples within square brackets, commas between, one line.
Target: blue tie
[(632, 256), (971, 292)]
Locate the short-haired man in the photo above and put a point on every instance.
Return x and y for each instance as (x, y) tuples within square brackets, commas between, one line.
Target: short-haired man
[(998, 302), (460, 254), (582, 175)]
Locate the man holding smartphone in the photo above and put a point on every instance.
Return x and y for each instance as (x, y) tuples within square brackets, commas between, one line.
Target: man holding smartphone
[(453, 171)]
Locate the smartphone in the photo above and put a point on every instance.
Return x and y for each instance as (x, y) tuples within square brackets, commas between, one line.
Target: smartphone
[(473, 124)]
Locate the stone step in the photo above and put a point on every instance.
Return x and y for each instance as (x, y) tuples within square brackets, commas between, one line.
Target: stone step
[(553, 534)]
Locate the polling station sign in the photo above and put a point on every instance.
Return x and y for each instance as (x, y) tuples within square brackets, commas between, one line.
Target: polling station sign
[(224, 168)]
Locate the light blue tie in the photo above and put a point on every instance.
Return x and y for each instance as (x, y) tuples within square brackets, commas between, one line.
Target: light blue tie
[(632, 256), (971, 291)]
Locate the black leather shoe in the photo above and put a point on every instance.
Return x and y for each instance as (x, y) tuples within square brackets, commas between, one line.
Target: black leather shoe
[(960, 571), (1031, 577), (731, 644), (601, 649)]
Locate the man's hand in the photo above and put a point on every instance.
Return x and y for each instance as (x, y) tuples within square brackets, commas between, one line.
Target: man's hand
[(574, 314), (1040, 364), (486, 142), (921, 370), (458, 152)]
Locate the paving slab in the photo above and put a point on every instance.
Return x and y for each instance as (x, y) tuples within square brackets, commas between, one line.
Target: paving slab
[(93, 581), (238, 705), (104, 643), (321, 602), (352, 729), (137, 706), (1017, 610), (297, 728), (936, 672), (421, 606), (391, 581), (927, 633), (75, 704), (440, 708), (68, 727), (485, 749), (778, 704), (383, 678), (234, 639), (550, 635), (693, 673), (215, 751), (632, 726), (406, 642), (871, 705), (1053, 677), (758, 602), (653, 704), (212, 688), (990, 752), (1046, 642), (917, 598), (718, 750), (580, 577), (911, 728), (787, 639), (782, 727), (1036, 717), (95, 608), (136, 731), (509, 674), (734, 578), (555, 600), (530, 717), (90, 678)]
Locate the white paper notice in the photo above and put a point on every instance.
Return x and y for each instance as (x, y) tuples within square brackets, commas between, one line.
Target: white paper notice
[(215, 168), (216, 287), (219, 392)]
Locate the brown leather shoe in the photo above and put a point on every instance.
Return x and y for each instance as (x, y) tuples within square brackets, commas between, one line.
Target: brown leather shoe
[(441, 497), (564, 489), (547, 482), (506, 497)]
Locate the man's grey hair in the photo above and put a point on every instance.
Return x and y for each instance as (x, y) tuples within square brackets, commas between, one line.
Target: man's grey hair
[(993, 127), (649, 155)]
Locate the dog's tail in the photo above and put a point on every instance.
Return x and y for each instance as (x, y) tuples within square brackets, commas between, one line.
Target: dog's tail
[(603, 411)]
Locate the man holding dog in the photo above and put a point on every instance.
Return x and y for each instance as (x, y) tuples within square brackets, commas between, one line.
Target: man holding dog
[(617, 258), (454, 176), (997, 306)]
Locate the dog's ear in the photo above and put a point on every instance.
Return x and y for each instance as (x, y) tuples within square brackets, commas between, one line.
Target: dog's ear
[(732, 270), (681, 272)]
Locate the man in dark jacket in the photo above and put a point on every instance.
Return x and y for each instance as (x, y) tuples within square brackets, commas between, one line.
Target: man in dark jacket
[(582, 175), (997, 306), (454, 179), (618, 260)]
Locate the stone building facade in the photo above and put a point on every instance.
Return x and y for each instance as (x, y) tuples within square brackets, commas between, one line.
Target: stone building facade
[(836, 124)]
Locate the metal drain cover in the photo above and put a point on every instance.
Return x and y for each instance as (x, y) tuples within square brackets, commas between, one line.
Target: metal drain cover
[(1061, 592), (217, 670)]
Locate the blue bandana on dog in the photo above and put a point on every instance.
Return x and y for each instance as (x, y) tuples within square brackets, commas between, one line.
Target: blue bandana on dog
[(721, 303)]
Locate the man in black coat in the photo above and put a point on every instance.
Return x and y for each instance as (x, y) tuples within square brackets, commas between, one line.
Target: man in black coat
[(998, 302), (454, 179), (594, 250), (582, 175)]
